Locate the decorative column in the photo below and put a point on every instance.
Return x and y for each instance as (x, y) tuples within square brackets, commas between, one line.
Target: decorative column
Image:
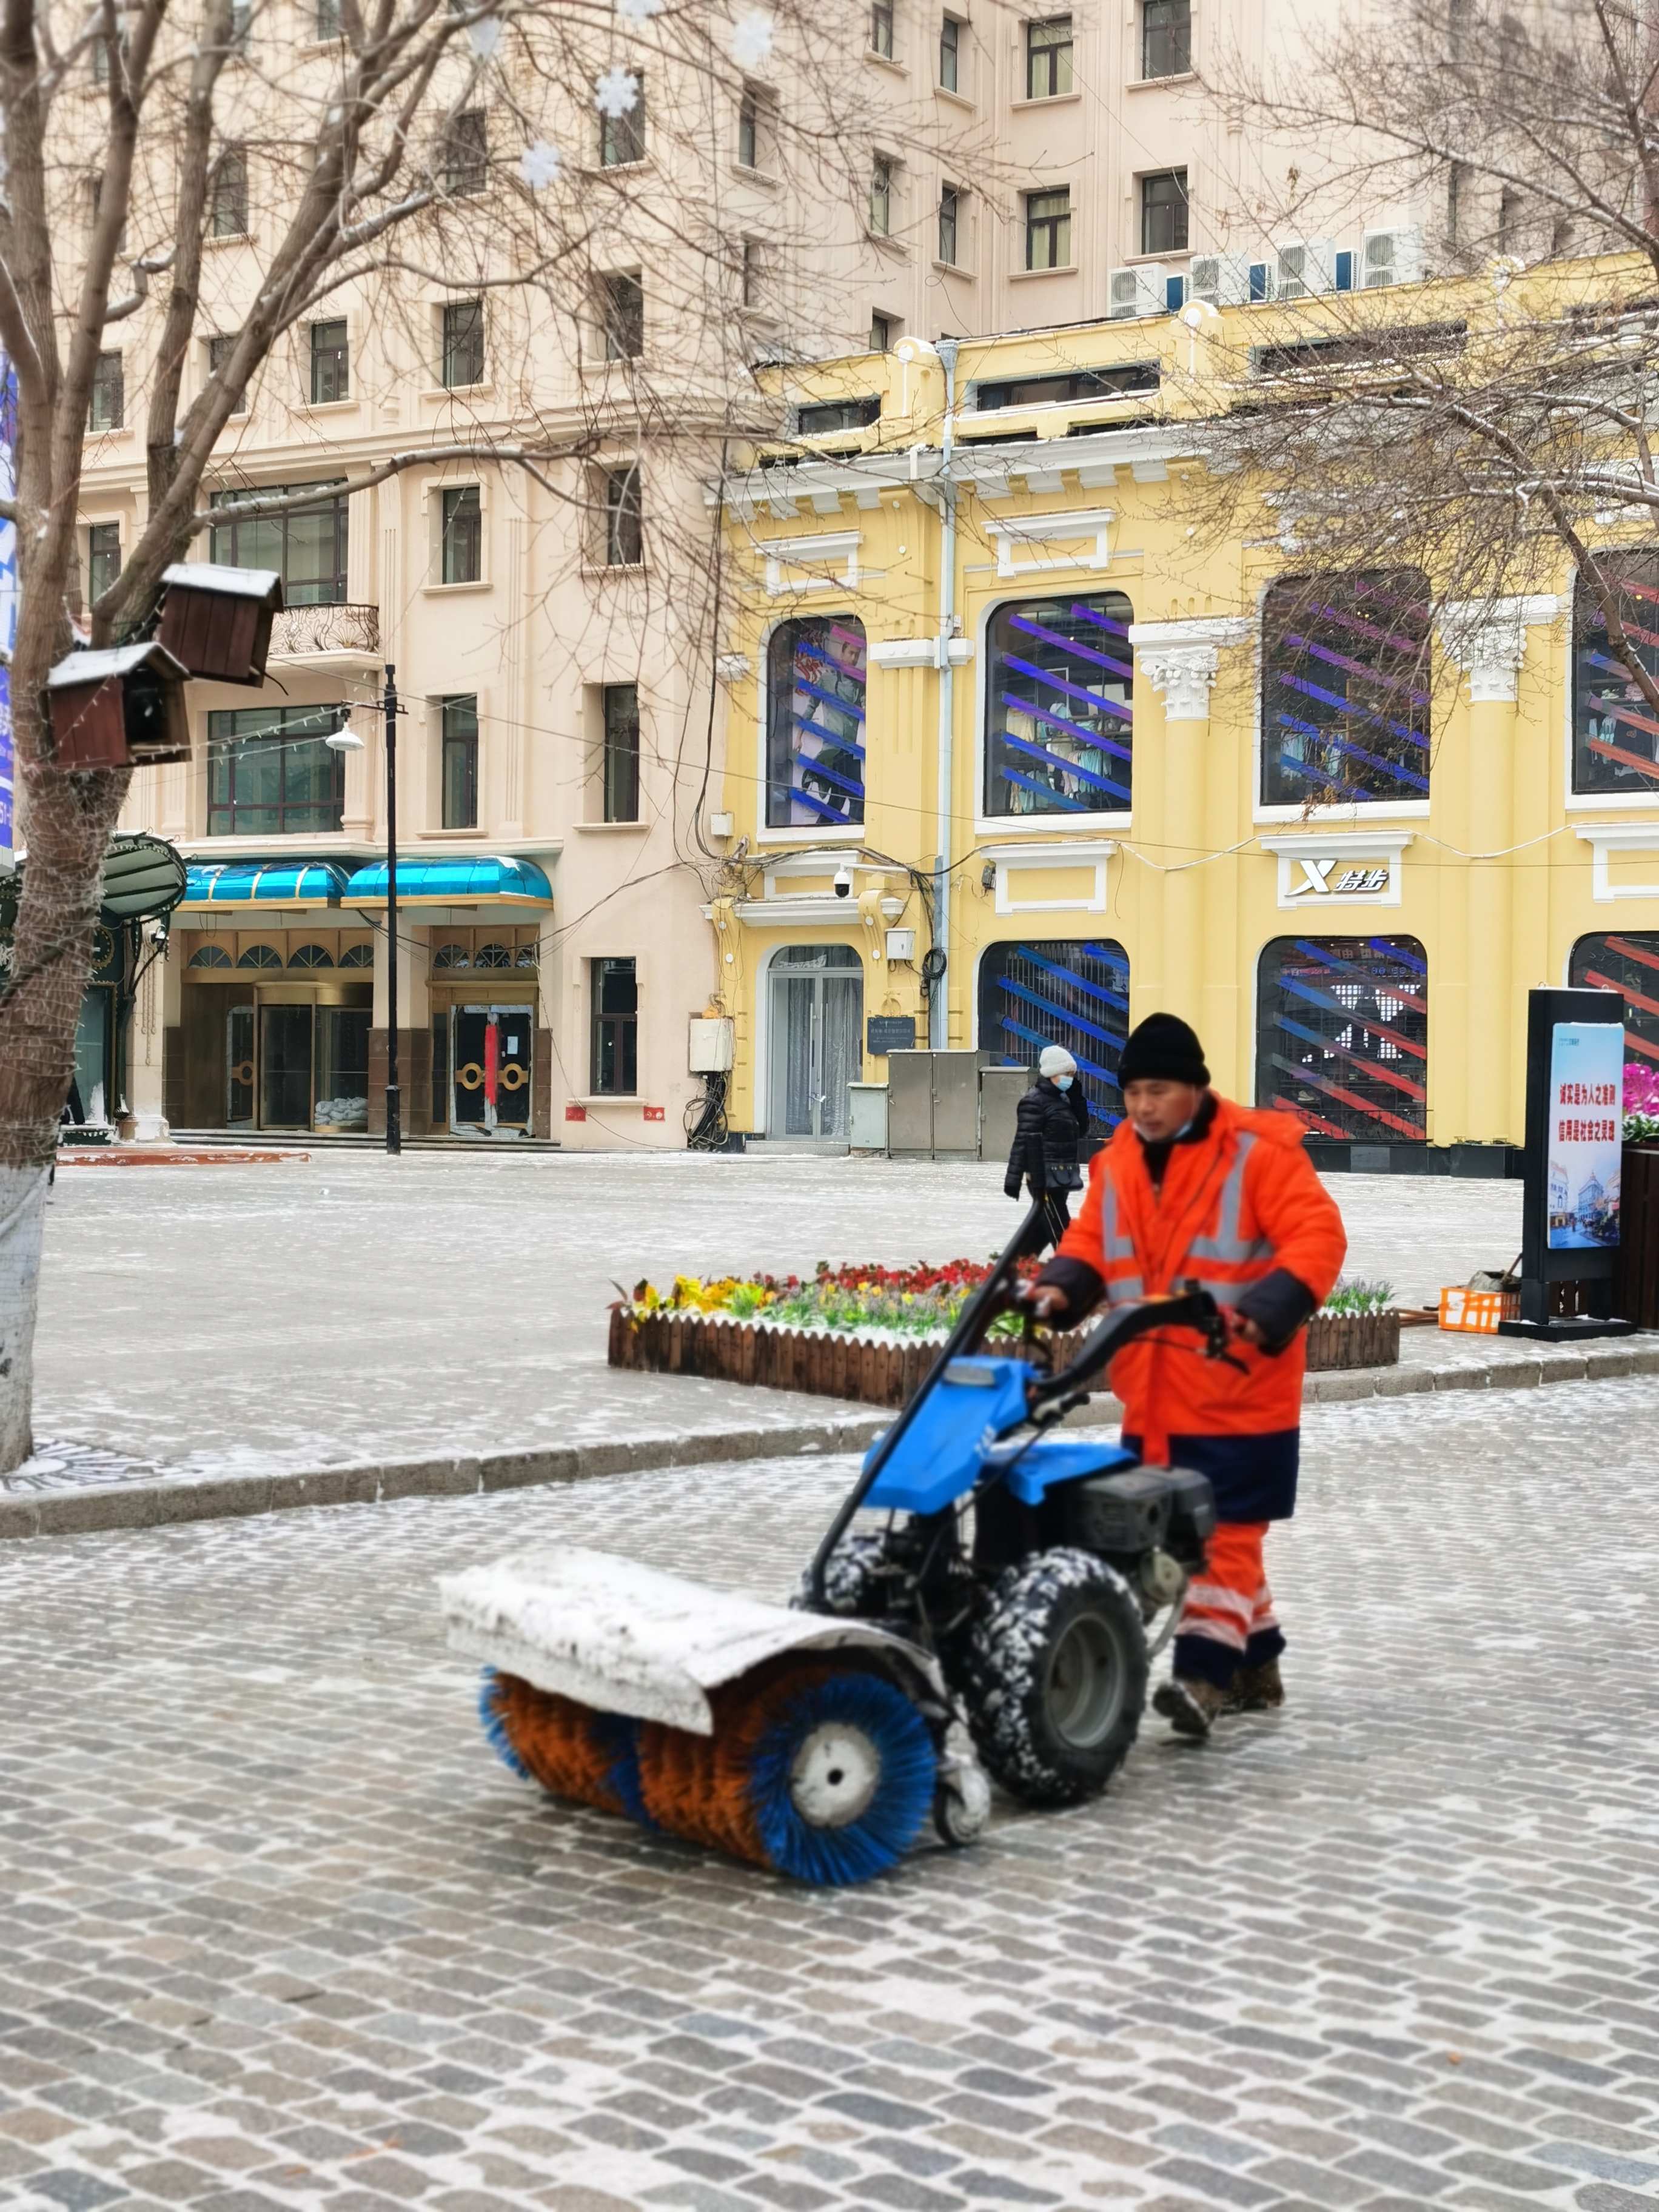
[(1487, 640), (1201, 782)]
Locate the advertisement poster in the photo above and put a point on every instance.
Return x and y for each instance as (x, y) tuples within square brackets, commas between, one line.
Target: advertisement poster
[(7, 608), (1586, 1128)]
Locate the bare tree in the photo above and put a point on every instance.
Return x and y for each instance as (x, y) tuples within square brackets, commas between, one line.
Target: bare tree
[(1468, 435), (369, 150)]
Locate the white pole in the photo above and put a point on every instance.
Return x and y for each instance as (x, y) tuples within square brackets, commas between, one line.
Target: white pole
[(939, 1003)]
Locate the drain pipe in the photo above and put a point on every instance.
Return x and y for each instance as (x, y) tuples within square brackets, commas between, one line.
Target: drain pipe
[(939, 1003)]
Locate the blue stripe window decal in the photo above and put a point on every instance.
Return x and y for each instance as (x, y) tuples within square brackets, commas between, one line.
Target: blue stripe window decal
[(1060, 991), (1060, 708), (816, 742), (1345, 692), (1615, 730), (1342, 1036)]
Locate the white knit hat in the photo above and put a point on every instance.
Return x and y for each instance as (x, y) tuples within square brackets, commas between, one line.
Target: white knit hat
[(1056, 1060)]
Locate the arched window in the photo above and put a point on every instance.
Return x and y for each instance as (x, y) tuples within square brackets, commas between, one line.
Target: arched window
[(209, 956), (815, 741), (1342, 1035), (1345, 689), (451, 956), (1615, 733), (311, 956), (260, 955), (1628, 962), (492, 956), (357, 956), (1069, 991), (1059, 709)]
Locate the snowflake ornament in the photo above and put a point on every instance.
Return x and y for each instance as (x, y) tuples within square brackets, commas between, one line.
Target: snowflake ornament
[(539, 165), (752, 39), (638, 11), (617, 92), (486, 35)]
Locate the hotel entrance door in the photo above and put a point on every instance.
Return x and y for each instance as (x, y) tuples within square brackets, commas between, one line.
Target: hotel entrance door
[(489, 1052)]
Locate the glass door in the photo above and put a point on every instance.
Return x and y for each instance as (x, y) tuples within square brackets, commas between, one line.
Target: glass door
[(490, 1054), (817, 1020), (285, 1093), (341, 1049), (239, 1067)]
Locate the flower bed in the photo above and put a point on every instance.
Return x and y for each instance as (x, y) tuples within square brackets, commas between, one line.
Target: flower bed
[(918, 1301)]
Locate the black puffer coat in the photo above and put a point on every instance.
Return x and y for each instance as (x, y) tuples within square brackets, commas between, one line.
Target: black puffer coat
[(1050, 1122)]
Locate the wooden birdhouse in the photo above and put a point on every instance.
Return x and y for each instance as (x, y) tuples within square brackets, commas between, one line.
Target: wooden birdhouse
[(117, 708), (218, 620)]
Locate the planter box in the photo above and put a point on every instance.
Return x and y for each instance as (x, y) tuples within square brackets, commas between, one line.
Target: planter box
[(1636, 1279), (1353, 1340), (878, 1372)]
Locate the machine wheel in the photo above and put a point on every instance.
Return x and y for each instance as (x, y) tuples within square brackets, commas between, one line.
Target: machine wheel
[(856, 1580), (1056, 1677)]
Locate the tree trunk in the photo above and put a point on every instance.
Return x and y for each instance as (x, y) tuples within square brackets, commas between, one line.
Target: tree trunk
[(22, 1216)]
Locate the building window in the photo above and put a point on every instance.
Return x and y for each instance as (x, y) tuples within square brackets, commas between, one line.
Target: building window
[(815, 723), (220, 350), (330, 364), (100, 59), (1457, 183), (622, 315), (1615, 733), (1071, 992), (1627, 964), (328, 19), (1048, 229), (1049, 57), (624, 536), (748, 132), (460, 762), (1345, 689), (306, 546), (1342, 1036), (103, 557), (620, 705), (622, 137), (1060, 706), (881, 197), (466, 154), (949, 208), (228, 215), (461, 533), (1509, 221), (464, 345), (950, 54), (270, 774), (881, 28), (752, 275), (616, 1029), (241, 26), (882, 330), (109, 409), (1166, 38), (1163, 212)]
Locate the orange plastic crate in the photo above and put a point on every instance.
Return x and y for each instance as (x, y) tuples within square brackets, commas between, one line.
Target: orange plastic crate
[(1479, 1312)]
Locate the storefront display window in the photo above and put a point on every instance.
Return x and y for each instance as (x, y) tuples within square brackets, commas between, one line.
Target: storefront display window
[(814, 751), (1345, 690), (1342, 1035), (1069, 991), (1628, 962), (1615, 731), (1059, 709)]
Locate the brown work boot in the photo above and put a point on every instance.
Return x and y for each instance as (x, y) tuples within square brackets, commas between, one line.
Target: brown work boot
[(1190, 1705), (1257, 1689)]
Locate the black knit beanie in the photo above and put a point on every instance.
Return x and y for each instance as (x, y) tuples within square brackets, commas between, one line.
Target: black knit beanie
[(1163, 1050)]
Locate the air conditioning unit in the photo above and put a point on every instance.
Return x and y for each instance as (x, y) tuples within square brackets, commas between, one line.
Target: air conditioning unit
[(1393, 257), (1132, 291), (1221, 279), (1306, 268)]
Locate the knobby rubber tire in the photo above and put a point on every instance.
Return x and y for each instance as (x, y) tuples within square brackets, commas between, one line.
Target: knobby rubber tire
[(855, 1585), (1064, 1604)]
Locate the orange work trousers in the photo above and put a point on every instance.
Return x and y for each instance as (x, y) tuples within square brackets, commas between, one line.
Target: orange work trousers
[(1227, 1619)]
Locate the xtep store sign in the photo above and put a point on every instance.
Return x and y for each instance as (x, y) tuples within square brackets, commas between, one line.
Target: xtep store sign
[(1346, 868)]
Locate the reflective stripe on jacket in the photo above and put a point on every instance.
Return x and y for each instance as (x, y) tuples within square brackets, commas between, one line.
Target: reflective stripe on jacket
[(1242, 1201)]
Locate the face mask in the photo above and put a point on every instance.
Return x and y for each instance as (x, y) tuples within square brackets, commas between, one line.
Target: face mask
[(1063, 1083)]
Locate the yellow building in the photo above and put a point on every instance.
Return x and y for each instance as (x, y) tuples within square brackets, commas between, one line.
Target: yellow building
[(979, 619)]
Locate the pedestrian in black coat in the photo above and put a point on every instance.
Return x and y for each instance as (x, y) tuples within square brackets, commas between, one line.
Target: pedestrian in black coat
[(1051, 1120)]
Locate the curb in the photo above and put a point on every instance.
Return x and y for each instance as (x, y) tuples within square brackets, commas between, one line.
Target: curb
[(76, 1512)]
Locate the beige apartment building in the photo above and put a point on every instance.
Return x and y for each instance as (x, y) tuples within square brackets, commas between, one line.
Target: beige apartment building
[(561, 646)]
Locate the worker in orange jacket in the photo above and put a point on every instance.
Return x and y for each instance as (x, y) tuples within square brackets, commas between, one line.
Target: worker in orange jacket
[(1192, 1187)]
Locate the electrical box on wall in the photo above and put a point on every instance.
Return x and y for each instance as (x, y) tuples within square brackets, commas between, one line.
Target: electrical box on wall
[(711, 1050), (900, 944)]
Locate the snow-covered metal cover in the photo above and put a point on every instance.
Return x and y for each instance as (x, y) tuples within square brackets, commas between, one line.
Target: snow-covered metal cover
[(627, 1638)]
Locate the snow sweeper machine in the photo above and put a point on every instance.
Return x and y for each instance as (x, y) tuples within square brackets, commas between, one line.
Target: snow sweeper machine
[(1000, 1623)]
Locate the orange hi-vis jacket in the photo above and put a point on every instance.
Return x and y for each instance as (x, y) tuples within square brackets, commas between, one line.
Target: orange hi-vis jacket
[(1239, 1203)]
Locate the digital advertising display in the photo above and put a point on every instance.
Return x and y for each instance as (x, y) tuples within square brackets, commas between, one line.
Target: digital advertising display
[(1586, 1128)]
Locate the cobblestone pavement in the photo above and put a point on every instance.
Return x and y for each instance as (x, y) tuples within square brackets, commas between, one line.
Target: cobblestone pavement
[(281, 1933), (361, 1308)]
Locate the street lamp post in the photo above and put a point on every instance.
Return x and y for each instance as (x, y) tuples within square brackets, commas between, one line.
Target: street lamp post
[(346, 740)]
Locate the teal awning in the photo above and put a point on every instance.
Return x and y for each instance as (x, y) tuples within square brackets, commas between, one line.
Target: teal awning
[(454, 879), (266, 883)]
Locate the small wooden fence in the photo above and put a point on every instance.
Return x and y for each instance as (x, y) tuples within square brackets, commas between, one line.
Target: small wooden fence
[(879, 1373)]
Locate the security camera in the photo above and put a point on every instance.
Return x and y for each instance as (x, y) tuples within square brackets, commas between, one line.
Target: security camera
[(843, 881)]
